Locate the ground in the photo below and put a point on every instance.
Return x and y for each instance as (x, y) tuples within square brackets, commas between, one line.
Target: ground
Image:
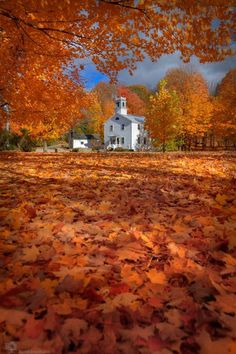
[(118, 253)]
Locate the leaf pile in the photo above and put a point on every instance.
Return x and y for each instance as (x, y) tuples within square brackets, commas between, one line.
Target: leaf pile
[(118, 253)]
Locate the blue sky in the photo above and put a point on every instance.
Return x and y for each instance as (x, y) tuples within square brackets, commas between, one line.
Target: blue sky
[(149, 74), (91, 76)]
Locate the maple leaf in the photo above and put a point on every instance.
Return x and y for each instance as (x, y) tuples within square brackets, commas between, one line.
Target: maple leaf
[(177, 249), (62, 308), (72, 329), (232, 241), (68, 284), (33, 328), (31, 211), (126, 253), (131, 277), (124, 299), (156, 277), (30, 254), (221, 199), (219, 346), (119, 289), (13, 317)]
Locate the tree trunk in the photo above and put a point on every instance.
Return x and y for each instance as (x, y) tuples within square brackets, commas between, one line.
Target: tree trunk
[(45, 147)]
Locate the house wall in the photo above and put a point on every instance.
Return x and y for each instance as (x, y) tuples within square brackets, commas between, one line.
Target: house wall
[(80, 143), (118, 132), (135, 134)]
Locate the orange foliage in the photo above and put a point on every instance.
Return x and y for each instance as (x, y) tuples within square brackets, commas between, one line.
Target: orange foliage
[(134, 103), (114, 34), (225, 107), (142, 91), (51, 103), (117, 254), (162, 121), (105, 94), (195, 103)]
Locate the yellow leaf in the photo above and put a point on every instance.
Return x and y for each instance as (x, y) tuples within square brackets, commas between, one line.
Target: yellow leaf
[(105, 206), (130, 276), (156, 277), (221, 199)]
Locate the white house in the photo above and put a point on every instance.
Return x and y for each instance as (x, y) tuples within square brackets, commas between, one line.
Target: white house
[(124, 130), (82, 141)]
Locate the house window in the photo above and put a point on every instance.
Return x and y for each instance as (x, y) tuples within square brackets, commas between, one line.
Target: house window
[(82, 143), (112, 140), (122, 127), (117, 104), (123, 104), (122, 140), (117, 118), (118, 141), (111, 128), (139, 140), (138, 126), (144, 141)]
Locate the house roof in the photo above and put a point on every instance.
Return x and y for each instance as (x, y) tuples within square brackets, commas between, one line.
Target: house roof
[(135, 119), (131, 117), (86, 136)]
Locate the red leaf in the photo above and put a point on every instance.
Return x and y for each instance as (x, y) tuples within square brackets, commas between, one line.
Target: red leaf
[(119, 289), (31, 211)]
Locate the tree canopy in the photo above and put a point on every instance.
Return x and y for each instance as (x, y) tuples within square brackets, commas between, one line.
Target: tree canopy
[(163, 114), (51, 38), (115, 34), (194, 98), (224, 117)]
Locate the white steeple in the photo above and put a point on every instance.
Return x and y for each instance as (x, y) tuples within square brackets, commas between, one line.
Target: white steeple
[(121, 105)]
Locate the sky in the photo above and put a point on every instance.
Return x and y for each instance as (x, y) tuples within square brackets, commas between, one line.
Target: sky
[(149, 74)]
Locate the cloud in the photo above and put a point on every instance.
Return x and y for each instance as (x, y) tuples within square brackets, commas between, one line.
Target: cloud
[(149, 74)]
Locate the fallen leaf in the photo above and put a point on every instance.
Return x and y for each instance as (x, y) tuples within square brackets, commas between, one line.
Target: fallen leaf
[(156, 277)]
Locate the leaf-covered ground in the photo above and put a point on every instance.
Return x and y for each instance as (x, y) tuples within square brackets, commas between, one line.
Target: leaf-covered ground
[(118, 253)]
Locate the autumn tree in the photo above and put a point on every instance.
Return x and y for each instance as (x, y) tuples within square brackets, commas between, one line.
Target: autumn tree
[(162, 118), (49, 108), (135, 104), (142, 91), (100, 107), (104, 95), (194, 102), (225, 107), (95, 114), (113, 34), (105, 91)]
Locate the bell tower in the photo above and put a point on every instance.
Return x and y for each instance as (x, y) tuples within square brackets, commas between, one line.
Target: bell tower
[(121, 105)]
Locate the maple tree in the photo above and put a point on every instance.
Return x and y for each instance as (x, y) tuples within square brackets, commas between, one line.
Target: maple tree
[(105, 91), (50, 109), (224, 117), (162, 119), (95, 114), (114, 34), (194, 101), (135, 104), (104, 94), (142, 91), (80, 274)]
